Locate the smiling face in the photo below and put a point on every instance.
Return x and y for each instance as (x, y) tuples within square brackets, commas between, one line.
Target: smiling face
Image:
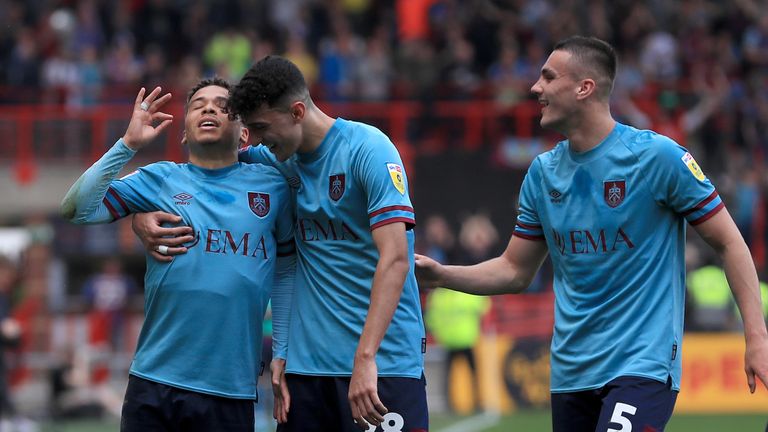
[(206, 121), (279, 129), (557, 91)]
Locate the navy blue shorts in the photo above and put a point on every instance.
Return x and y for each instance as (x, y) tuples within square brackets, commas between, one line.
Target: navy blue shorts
[(151, 407), (625, 403), (320, 404)]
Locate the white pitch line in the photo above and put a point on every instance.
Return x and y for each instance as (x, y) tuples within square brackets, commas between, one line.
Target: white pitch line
[(475, 423)]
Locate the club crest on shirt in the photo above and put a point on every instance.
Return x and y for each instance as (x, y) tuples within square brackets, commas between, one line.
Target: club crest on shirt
[(690, 162), (614, 192), (336, 185), (259, 203), (396, 173)]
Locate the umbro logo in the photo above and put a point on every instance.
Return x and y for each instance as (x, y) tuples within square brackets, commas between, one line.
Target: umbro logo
[(182, 198), (555, 196)]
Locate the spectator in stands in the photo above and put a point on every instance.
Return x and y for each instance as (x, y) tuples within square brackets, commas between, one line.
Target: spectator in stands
[(108, 294), (73, 395), (454, 319), (122, 65), (228, 53), (375, 72), (439, 241), (10, 330), (755, 43), (296, 51), (507, 76), (478, 239), (711, 304), (23, 66), (340, 55)]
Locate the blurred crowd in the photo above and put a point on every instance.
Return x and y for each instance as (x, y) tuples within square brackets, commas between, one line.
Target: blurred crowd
[(384, 49), (695, 70)]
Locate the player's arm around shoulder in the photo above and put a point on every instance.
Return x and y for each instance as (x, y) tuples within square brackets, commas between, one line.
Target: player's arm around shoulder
[(509, 273), (721, 233), (256, 154)]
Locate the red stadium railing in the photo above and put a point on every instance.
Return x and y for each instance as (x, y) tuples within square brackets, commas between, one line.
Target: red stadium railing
[(37, 134)]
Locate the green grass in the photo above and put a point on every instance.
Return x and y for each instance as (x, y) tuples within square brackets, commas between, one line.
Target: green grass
[(528, 421), (535, 421), (81, 426)]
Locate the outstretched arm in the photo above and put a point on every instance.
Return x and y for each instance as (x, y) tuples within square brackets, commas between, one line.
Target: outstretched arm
[(509, 273), (83, 203), (721, 233)]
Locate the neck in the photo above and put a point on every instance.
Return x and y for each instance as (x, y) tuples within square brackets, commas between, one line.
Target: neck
[(316, 127), (211, 158), (591, 128)]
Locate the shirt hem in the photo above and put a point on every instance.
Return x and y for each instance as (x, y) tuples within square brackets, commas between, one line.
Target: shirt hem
[(194, 389), (349, 374), (597, 386)]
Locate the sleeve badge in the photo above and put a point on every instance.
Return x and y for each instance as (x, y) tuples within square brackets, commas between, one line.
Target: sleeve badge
[(396, 173), (690, 162)]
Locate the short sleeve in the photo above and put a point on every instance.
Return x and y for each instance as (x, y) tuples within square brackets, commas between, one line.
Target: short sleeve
[(381, 173), (677, 181), (528, 225), (132, 193)]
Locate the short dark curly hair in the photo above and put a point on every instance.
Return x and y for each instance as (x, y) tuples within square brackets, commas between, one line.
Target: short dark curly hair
[(206, 82), (274, 81)]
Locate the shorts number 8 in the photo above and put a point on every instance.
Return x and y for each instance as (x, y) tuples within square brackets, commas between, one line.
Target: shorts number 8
[(393, 422)]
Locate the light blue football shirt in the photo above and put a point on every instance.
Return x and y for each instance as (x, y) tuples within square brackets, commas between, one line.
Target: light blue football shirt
[(614, 220), (351, 184), (204, 310)]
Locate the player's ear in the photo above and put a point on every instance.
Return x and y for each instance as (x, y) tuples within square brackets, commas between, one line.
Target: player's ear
[(298, 110), (184, 138), (586, 88), (244, 135)]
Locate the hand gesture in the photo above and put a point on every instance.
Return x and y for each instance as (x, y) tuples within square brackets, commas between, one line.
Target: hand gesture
[(280, 390), (364, 396), (161, 242), (146, 112), (428, 271)]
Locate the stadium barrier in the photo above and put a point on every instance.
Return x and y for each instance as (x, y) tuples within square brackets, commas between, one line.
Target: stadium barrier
[(514, 374)]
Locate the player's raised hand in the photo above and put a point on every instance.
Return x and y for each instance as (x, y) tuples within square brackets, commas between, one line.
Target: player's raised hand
[(428, 271), (280, 390), (146, 113), (161, 242), (363, 394)]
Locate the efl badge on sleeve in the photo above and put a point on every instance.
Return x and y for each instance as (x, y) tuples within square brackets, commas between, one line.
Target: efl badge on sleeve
[(614, 192), (396, 172), (259, 203), (690, 162), (336, 185)]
